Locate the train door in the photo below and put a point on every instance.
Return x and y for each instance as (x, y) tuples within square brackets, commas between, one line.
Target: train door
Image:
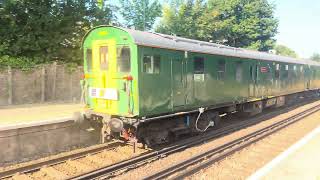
[(308, 76), (178, 81), (253, 68), (104, 88)]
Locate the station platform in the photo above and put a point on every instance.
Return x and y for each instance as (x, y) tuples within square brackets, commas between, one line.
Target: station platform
[(20, 114), (300, 161)]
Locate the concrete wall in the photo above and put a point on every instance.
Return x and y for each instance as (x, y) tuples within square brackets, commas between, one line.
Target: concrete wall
[(25, 142), (49, 83)]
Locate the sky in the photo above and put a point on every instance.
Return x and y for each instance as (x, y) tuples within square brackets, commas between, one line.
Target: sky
[(299, 25)]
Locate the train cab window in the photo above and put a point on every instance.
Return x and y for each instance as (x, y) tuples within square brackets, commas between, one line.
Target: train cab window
[(239, 72), (221, 70), (151, 64), (198, 63), (123, 59), (277, 71), (104, 58), (89, 59)]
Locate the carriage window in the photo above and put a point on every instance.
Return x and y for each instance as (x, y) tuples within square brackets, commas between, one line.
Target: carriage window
[(239, 71), (104, 58), (123, 58), (277, 71), (198, 63), (221, 70), (294, 67), (286, 72), (269, 71), (89, 59), (156, 64), (151, 64)]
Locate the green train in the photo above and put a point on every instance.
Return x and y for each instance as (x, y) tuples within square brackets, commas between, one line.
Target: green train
[(150, 87)]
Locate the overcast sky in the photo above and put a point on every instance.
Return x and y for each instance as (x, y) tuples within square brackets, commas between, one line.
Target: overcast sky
[(299, 26)]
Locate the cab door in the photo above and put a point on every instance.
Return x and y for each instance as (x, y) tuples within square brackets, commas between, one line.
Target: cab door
[(104, 88), (178, 81)]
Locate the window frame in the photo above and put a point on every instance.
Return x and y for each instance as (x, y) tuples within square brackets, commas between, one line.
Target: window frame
[(239, 66), (104, 66), (196, 64), (154, 62), (221, 74), (123, 46)]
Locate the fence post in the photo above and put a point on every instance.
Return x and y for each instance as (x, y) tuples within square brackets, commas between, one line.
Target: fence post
[(43, 84), (10, 89), (54, 81), (71, 86)]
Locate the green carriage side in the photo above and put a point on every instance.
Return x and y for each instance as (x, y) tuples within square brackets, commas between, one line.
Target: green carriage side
[(172, 74)]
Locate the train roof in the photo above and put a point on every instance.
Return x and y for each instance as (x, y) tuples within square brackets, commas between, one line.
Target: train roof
[(164, 41)]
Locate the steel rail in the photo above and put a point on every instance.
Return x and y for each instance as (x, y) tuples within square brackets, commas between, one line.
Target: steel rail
[(111, 170), (134, 162), (211, 156), (36, 166)]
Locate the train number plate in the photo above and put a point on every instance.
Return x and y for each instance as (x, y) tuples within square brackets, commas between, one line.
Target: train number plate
[(104, 93)]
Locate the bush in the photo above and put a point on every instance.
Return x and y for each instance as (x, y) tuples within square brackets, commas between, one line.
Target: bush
[(23, 63)]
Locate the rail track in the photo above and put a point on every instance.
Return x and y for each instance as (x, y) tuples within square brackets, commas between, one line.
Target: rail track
[(111, 171), (51, 162), (125, 165), (204, 159)]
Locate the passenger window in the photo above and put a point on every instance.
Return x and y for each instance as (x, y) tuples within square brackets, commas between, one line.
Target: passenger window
[(239, 71), (198, 63), (89, 59), (151, 64), (123, 59), (286, 72), (156, 64), (104, 58), (277, 71), (221, 70)]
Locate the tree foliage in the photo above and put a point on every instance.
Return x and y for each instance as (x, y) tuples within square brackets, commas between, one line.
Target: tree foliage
[(140, 14), (48, 29), (34, 32), (315, 57), (238, 23), (285, 51)]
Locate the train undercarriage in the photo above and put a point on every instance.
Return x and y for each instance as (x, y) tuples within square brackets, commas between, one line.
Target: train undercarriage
[(167, 128)]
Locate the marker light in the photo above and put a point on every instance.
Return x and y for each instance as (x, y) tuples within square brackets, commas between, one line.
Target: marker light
[(128, 78)]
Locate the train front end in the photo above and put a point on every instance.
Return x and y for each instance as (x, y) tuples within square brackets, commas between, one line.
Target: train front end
[(110, 82)]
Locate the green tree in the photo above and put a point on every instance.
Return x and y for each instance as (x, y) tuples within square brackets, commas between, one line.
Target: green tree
[(49, 29), (238, 23), (285, 51), (140, 14), (315, 57), (183, 19)]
